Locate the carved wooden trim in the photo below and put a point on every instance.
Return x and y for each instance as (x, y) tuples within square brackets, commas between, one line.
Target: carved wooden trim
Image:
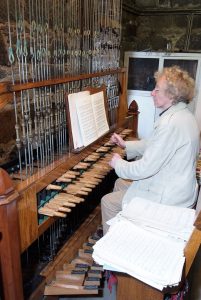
[(6, 184)]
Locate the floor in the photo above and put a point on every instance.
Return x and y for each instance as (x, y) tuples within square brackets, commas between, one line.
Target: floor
[(105, 295)]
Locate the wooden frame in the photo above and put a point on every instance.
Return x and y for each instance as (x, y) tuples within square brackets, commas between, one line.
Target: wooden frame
[(18, 208)]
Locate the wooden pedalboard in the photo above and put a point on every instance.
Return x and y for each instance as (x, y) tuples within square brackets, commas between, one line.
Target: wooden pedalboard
[(66, 259)]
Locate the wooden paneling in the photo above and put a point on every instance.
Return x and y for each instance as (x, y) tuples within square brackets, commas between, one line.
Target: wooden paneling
[(191, 249), (28, 220), (129, 288), (10, 249)]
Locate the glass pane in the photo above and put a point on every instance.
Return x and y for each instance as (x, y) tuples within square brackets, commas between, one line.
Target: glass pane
[(188, 65), (141, 73)]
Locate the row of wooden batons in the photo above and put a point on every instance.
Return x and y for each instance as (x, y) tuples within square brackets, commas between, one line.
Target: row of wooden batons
[(93, 169)]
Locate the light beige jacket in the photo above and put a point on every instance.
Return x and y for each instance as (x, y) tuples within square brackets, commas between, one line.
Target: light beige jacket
[(166, 171)]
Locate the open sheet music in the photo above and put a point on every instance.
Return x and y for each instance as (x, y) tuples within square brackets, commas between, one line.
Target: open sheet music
[(87, 117), (147, 240)]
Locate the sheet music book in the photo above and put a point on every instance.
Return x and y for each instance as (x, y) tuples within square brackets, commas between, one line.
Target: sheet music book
[(172, 221), (142, 242), (87, 117)]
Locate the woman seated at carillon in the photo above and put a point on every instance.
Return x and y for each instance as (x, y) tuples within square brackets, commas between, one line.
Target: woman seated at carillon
[(165, 172)]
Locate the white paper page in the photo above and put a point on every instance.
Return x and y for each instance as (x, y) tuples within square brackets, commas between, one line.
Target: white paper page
[(148, 281), (99, 113), (155, 260), (176, 220), (75, 127), (86, 119), (116, 268)]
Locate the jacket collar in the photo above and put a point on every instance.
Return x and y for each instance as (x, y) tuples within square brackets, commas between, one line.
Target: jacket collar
[(170, 111), (174, 108)]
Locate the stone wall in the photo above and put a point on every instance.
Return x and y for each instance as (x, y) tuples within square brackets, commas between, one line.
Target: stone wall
[(161, 32)]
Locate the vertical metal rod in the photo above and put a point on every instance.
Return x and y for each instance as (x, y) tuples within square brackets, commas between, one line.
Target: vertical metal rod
[(12, 60)]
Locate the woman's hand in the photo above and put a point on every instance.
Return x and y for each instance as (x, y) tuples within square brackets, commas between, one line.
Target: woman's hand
[(117, 139), (114, 159)]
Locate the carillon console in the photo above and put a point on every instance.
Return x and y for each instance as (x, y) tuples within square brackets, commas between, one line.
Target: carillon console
[(55, 199)]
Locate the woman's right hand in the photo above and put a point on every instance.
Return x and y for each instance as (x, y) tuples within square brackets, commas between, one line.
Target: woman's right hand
[(117, 139)]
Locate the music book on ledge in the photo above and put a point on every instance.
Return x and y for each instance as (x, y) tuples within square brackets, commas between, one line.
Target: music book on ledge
[(146, 240), (87, 116)]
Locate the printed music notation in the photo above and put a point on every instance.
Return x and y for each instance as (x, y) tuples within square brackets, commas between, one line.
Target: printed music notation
[(143, 243), (87, 117)]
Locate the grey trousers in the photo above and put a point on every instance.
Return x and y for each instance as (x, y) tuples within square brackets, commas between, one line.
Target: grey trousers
[(111, 203)]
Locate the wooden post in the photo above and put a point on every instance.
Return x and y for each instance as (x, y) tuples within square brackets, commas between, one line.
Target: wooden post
[(10, 241), (133, 112), (123, 105)]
